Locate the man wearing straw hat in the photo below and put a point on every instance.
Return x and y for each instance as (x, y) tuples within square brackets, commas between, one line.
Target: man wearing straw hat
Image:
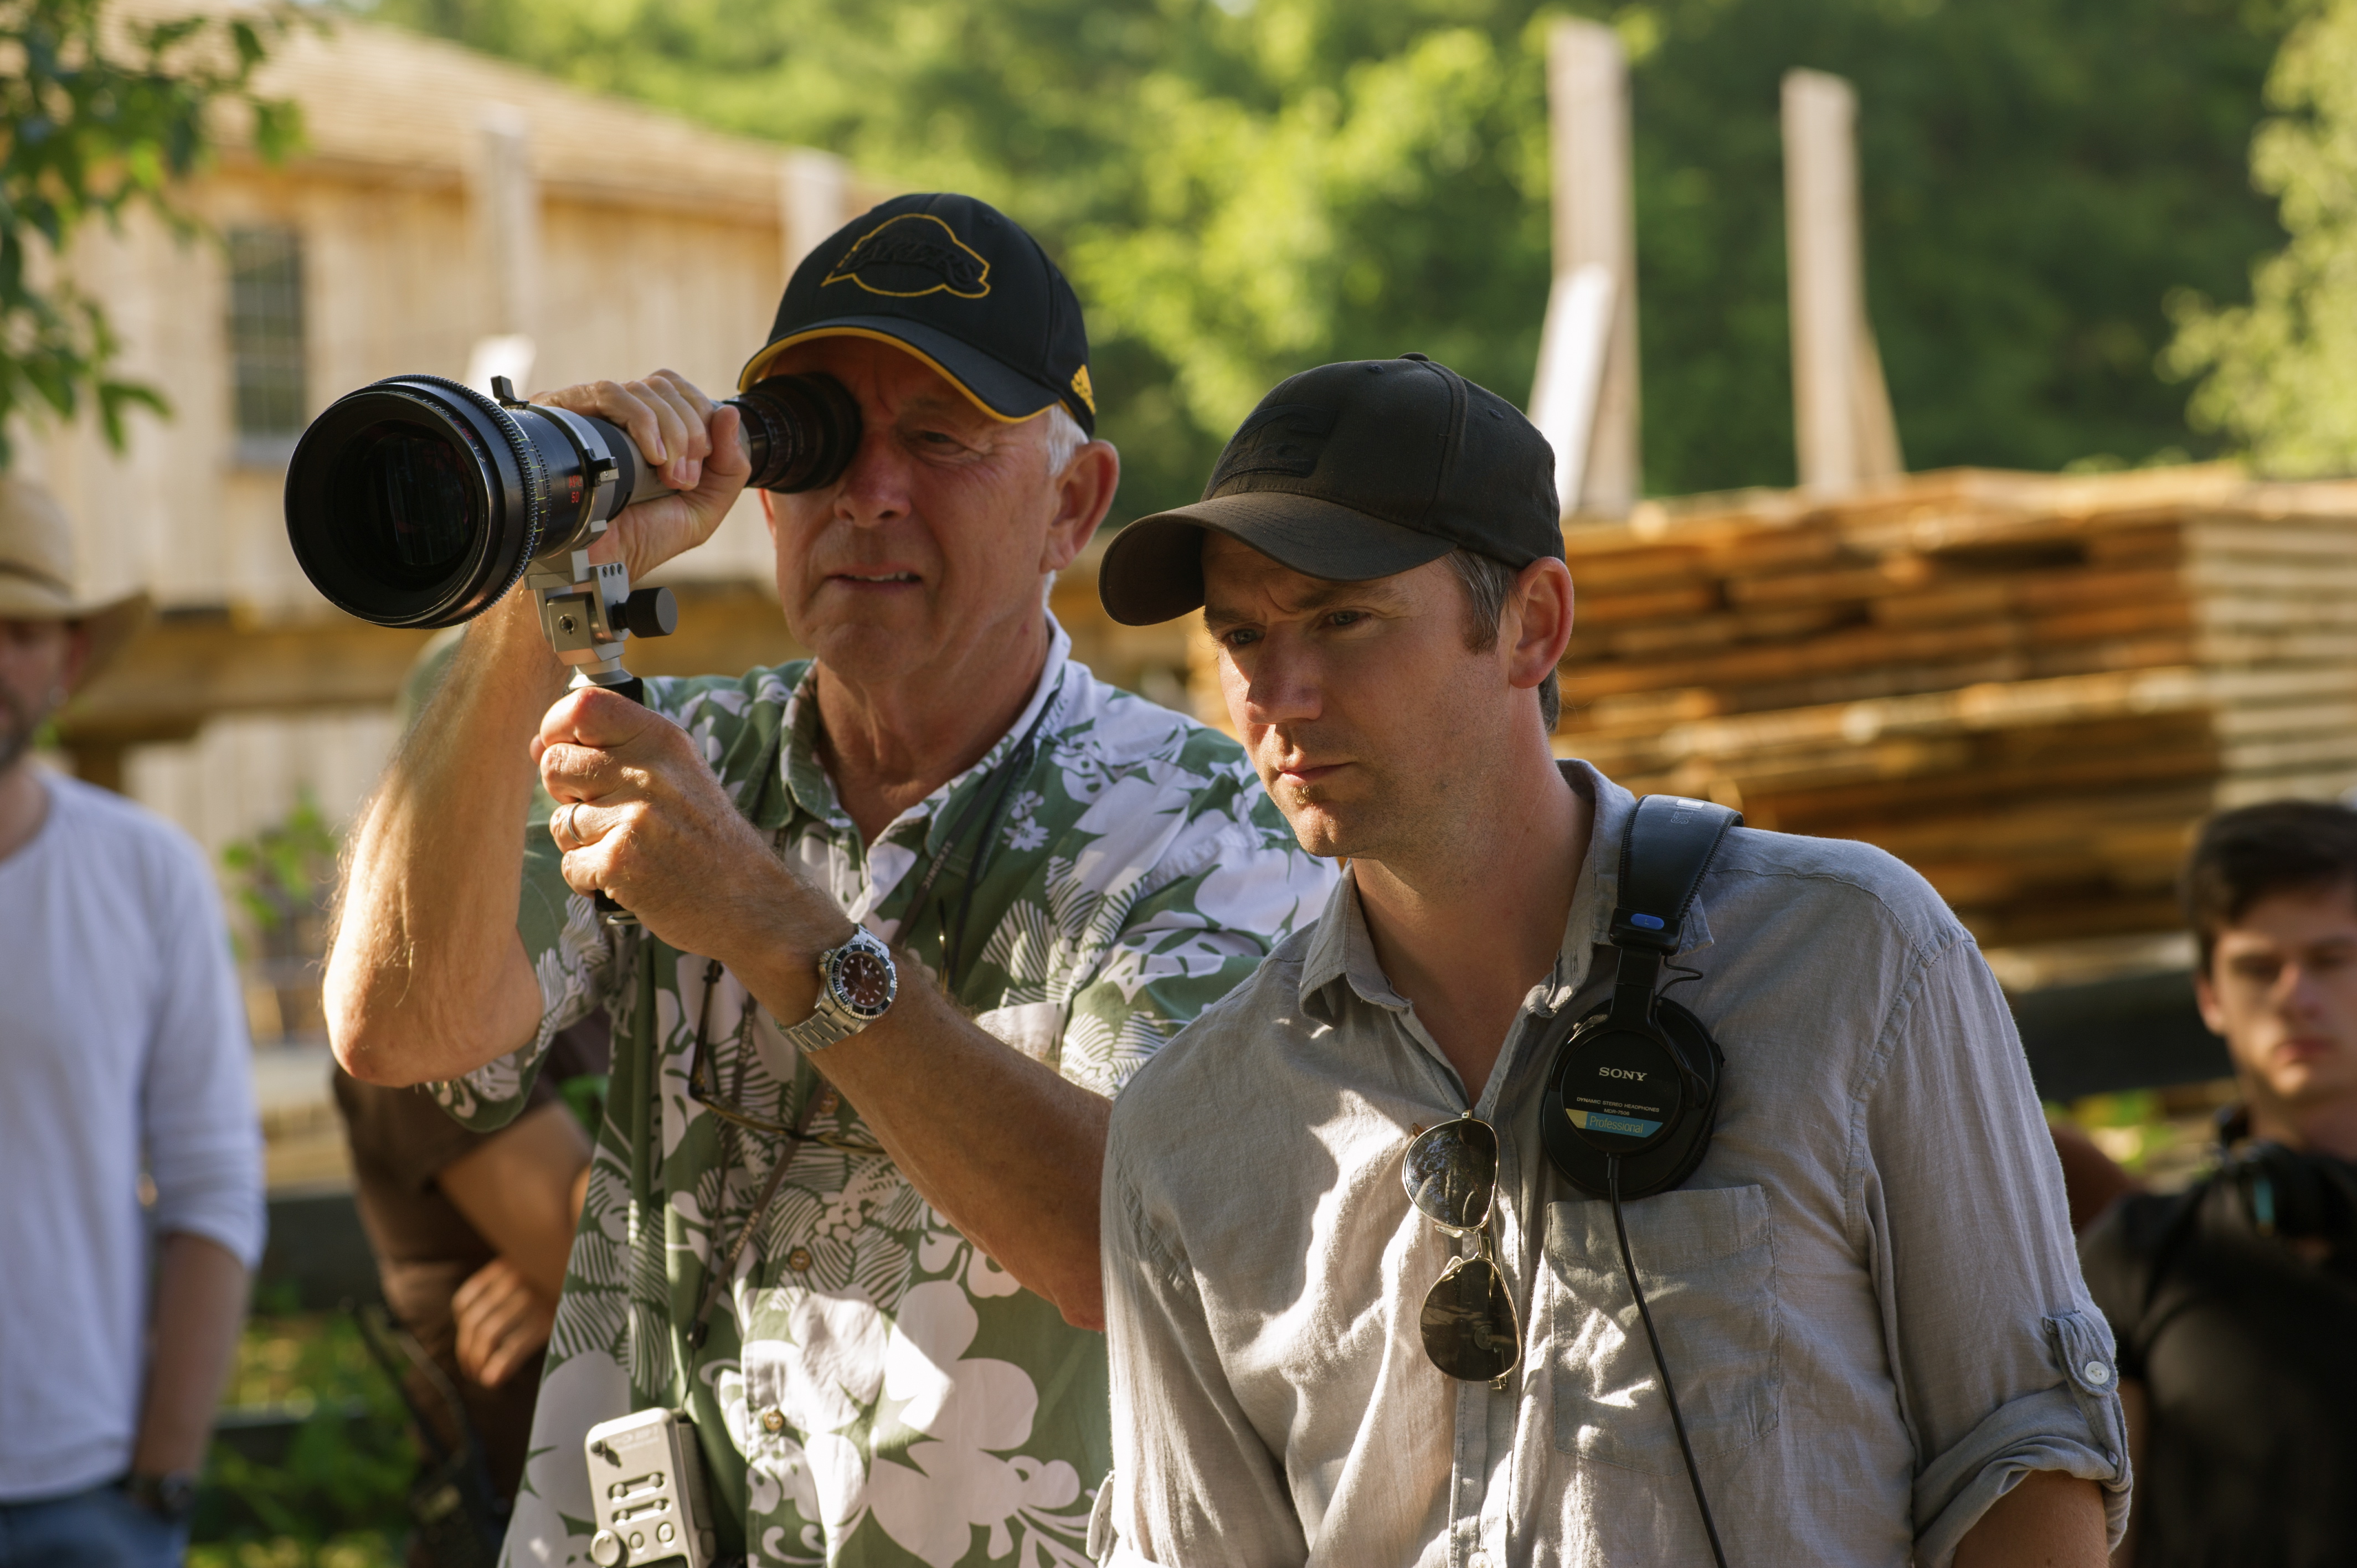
[(123, 1054)]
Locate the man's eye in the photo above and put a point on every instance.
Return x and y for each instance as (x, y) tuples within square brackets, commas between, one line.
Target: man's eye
[(1346, 617), (1242, 637)]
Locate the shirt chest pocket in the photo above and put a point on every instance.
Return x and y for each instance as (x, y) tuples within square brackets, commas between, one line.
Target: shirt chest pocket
[(1707, 1261)]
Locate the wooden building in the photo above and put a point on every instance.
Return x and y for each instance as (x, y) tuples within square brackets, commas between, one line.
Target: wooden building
[(451, 214)]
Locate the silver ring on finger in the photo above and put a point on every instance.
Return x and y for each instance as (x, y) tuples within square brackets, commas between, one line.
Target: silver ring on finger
[(565, 837)]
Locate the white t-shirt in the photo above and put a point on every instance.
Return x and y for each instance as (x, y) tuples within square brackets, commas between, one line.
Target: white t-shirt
[(123, 1044)]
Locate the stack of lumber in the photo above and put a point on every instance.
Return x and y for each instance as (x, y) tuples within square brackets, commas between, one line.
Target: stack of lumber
[(2030, 687)]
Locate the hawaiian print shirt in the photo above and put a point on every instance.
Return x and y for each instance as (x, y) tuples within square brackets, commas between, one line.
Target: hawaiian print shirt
[(874, 1389)]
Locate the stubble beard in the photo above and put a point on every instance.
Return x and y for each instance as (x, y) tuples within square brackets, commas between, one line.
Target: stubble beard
[(20, 721)]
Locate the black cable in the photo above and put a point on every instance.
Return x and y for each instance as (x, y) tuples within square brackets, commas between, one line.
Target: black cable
[(1669, 1390)]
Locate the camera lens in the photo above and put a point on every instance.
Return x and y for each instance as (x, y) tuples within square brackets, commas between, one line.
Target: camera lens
[(801, 431), (408, 501), (418, 501)]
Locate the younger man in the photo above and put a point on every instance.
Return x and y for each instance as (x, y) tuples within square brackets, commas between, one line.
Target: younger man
[(2235, 1303), (1865, 1293)]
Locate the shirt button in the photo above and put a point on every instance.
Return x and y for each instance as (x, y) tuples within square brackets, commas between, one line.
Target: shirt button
[(799, 1260), (773, 1420), (2097, 1373)]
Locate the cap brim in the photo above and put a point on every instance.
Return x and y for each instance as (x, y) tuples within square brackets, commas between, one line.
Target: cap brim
[(997, 390), (1153, 570)]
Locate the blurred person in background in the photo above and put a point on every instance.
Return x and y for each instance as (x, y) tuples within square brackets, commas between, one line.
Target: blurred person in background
[(471, 1232), (124, 1053), (2234, 1302), (912, 912)]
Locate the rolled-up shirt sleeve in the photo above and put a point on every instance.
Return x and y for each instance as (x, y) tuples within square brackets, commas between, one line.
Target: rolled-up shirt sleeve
[(202, 1135), (1193, 1483), (2003, 1364)]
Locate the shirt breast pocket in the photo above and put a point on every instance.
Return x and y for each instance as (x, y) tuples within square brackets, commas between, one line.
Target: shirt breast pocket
[(1707, 1261)]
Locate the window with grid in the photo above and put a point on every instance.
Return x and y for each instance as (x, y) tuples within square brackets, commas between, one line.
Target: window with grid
[(266, 337)]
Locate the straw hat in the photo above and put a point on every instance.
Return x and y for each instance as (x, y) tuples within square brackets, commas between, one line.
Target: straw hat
[(36, 574)]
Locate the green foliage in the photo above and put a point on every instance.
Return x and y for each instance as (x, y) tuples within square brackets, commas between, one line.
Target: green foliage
[(331, 1492), (2281, 372), (97, 117), (283, 873), (1241, 189)]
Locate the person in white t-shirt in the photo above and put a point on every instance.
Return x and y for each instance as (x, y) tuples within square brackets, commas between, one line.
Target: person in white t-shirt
[(122, 1053)]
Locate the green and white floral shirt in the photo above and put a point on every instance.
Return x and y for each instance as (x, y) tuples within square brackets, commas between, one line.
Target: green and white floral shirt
[(874, 1389)]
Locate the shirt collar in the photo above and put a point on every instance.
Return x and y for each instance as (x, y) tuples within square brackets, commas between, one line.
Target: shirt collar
[(1342, 949), (812, 792)]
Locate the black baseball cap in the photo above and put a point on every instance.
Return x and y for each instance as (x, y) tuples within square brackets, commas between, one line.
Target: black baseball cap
[(956, 283), (1351, 472)]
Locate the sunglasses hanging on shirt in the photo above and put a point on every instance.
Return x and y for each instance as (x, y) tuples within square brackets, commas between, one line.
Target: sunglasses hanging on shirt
[(1468, 1324)]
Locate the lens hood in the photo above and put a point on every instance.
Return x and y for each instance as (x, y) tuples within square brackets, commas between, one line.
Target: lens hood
[(415, 502)]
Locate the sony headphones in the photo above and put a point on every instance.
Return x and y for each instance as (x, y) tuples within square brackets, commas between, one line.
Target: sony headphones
[(1639, 1081)]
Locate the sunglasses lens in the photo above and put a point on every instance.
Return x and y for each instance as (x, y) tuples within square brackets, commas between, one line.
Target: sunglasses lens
[(1451, 1173), (1468, 1323)]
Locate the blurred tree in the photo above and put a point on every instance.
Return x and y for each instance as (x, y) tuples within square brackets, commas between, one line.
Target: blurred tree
[(2282, 371), (98, 116), (1244, 187)]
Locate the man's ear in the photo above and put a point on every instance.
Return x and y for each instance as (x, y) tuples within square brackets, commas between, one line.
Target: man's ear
[(1083, 495), (2205, 997), (1541, 622)]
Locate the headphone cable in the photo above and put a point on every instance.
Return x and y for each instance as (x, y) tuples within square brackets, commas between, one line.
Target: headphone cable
[(1669, 1390)]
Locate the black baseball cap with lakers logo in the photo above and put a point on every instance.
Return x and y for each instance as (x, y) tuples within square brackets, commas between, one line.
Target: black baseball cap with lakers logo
[(956, 283)]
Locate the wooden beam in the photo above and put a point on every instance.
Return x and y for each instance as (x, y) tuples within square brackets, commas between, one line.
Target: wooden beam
[(1842, 420), (506, 200), (1573, 347), (186, 669), (1595, 225), (813, 197)]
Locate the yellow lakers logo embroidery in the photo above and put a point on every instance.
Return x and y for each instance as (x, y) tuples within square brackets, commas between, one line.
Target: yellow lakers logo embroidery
[(913, 254)]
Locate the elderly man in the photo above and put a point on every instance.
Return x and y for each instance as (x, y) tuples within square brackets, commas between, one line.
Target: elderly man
[(911, 912), (1370, 1220), (123, 1054)]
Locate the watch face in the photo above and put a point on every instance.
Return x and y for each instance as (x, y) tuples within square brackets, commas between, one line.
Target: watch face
[(864, 982)]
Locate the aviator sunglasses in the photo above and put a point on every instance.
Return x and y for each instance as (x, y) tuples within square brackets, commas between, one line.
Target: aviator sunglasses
[(1470, 1328)]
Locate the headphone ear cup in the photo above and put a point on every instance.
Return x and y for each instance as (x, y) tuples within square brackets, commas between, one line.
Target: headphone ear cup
[(1673, 1159)]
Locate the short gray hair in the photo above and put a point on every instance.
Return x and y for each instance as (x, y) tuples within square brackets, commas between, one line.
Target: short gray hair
[(1064, 438), (1487, 581)]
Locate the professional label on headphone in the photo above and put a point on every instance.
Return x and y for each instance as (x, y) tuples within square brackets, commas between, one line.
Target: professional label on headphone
[(1604, 1122), (1622, 1090)]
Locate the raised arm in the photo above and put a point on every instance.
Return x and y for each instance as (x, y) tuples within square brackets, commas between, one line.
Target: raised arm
[(428, 978)]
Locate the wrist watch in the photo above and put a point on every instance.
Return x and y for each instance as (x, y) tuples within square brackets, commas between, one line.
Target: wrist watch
[(857, 984), (171, 1497)]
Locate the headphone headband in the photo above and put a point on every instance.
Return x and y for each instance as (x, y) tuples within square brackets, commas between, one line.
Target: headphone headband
[(1668, 845)]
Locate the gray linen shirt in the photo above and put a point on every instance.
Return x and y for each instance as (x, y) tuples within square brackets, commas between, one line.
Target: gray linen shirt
[(1867, 1292)]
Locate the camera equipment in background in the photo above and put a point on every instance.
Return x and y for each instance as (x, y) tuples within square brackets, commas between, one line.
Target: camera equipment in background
[(418, 501)]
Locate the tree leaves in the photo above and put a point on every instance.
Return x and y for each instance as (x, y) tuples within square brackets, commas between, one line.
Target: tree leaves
[(1243, 188), (2281, 374), (103, 116)]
